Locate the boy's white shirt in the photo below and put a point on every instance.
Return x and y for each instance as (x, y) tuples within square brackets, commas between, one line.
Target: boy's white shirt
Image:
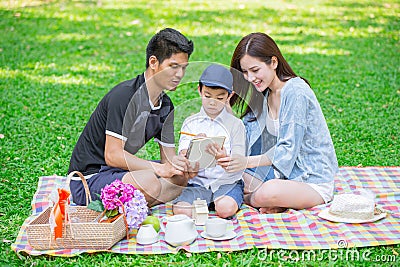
[(225, 124)]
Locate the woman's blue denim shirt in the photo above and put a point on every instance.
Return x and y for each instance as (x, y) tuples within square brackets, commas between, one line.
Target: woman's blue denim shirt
[(303, 149)]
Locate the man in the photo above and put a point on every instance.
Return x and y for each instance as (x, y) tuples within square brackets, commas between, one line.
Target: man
[(126, 118)]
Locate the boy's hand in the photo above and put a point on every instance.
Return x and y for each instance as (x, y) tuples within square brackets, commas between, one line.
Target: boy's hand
[(233, 163), (215, 150), (200, 135)]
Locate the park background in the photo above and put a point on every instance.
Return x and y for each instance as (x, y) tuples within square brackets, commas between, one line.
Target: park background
[(59, 58)]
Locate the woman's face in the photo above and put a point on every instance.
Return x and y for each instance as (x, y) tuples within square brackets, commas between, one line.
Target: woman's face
[(258, 72)]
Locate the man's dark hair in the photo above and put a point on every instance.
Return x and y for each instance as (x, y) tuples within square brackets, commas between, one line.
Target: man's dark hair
[(166, 43)]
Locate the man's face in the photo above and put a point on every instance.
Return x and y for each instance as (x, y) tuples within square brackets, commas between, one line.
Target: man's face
[(170, 72)]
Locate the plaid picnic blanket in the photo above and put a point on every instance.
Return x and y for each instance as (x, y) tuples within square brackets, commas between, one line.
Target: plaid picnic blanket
[(293, 229)]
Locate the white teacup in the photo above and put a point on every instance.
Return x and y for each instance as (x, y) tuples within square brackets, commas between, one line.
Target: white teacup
[(216, 227), (146, 235)]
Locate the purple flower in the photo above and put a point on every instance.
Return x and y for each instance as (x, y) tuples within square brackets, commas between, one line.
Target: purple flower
[(134, 202), (135, 209)]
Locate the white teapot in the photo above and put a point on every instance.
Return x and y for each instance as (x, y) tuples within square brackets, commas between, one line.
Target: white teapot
[(180, 230)]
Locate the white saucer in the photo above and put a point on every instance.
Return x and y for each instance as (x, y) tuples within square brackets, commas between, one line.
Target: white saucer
[(184, 242), (228, 235)]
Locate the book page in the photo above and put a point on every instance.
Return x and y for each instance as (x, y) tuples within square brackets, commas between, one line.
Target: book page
[(197, 151)]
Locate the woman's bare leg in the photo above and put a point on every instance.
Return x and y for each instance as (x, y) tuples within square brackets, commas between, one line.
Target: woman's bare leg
[(277, 195), (251, 184)]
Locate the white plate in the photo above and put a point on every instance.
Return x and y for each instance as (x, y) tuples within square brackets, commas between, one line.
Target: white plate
[(228, 235)]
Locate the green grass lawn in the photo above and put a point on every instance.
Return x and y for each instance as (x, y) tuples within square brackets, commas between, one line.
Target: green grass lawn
[(58, 59)]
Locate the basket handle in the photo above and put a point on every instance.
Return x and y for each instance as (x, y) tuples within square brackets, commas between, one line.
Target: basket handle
[(85, 185), (125, 220)]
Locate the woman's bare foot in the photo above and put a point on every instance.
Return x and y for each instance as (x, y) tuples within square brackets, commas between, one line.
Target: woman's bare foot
[(271, 210)]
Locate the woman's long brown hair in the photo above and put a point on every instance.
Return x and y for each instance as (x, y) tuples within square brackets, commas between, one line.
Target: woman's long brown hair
[(263, 47)]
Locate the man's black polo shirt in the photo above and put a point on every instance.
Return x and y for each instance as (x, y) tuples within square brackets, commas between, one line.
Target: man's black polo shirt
[(124, 113)]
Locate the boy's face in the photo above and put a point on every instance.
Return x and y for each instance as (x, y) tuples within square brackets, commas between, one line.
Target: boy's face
[(170, 72), (213, 100)]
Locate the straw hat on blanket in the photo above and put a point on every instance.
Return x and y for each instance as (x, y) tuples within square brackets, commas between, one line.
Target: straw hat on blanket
[(352, 208)]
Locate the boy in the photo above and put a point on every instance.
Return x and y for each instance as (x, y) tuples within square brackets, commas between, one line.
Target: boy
[(214, 185), (130, 115)]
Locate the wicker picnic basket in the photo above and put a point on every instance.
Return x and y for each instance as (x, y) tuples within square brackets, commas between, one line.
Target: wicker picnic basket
[(81, 231)]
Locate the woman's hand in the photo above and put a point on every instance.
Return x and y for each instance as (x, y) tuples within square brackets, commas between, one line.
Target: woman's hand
[(233, 163)]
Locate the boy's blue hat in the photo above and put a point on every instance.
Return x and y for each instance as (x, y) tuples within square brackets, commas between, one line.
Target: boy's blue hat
[(217, 75)]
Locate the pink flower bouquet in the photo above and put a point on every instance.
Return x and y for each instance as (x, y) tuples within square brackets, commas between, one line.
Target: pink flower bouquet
[(117, 198)]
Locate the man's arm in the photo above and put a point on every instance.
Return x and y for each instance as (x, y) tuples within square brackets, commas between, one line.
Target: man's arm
[(166, 153), (116, 156)]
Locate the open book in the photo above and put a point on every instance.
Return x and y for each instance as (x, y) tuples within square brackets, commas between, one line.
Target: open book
[(197, 151)]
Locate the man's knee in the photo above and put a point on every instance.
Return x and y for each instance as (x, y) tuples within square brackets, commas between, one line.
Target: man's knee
[(146, 182), (152, 191)]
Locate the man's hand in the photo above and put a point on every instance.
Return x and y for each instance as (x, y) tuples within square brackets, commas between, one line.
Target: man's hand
[(183, 164), (233, 163), (192, 171), (179, 165), (166, 170), (183, 152)]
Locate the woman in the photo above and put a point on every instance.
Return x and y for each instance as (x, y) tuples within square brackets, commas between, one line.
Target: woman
[(291, 160)]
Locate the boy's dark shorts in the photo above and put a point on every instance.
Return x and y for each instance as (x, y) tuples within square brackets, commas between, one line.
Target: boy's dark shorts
[(106, 176), (194, 191)]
